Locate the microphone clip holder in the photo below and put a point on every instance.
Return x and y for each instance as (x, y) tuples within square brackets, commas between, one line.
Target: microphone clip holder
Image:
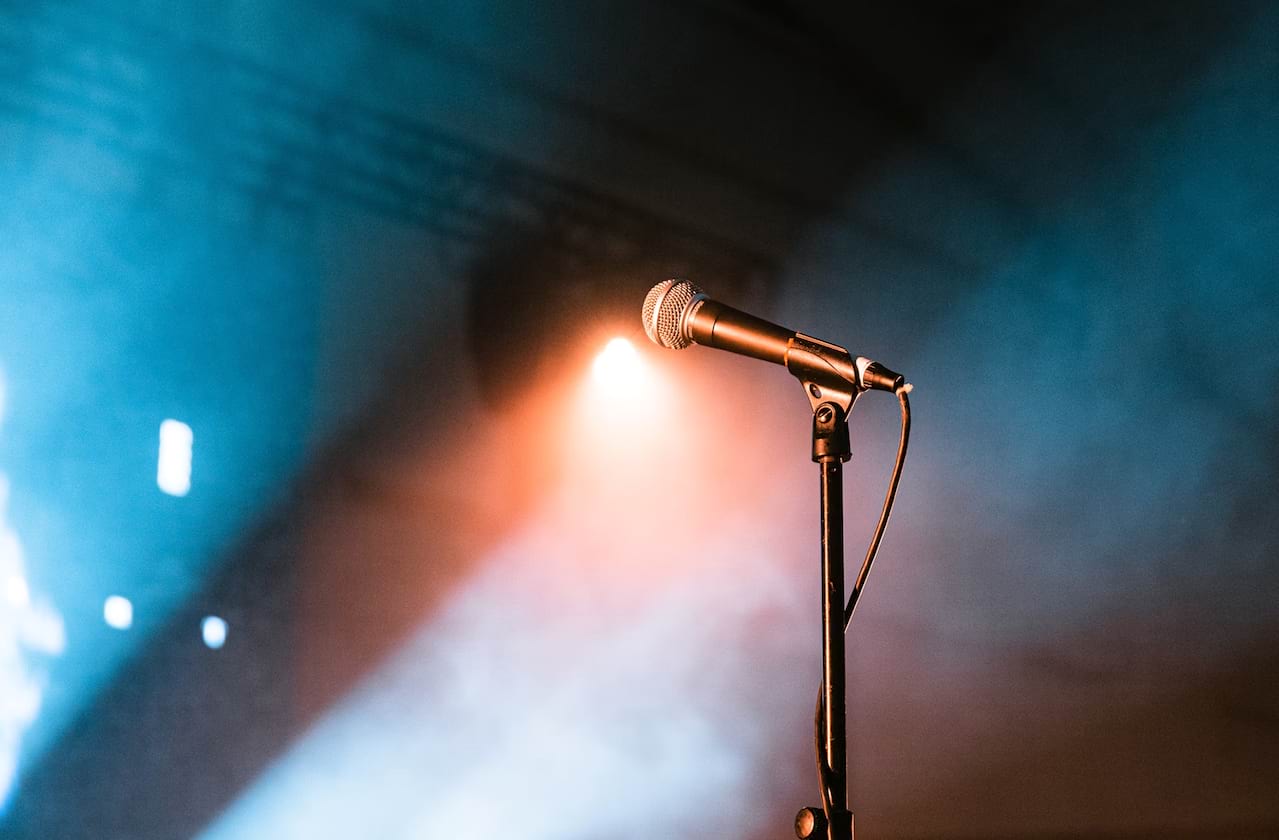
[(830, 433), (827, 371)]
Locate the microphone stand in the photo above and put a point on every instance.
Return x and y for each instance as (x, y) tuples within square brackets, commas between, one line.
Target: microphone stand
[(832, 399), (831, 449)]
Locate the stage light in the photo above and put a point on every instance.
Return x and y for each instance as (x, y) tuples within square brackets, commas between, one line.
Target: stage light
[(610, 435), (117, 611), (173, 472), (621, 382), (16, 591), (618, 363), (213, 629), (619, 396), (26, 625)]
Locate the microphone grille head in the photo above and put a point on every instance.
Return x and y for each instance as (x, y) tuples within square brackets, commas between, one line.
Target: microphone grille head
[(665, 306)]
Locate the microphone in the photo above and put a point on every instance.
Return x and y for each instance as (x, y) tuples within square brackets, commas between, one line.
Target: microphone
[(677, 314)]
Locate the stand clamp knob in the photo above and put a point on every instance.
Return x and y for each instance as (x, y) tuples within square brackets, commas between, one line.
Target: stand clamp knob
[(810, 824)]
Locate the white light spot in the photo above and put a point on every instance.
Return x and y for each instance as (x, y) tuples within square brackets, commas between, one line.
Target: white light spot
[(16, 591), (618, 363), (27, 624), (173, 473), (117, 611), (214, 631)]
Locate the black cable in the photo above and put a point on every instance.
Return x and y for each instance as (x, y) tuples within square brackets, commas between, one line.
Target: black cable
[(823, 771), (871, 551)]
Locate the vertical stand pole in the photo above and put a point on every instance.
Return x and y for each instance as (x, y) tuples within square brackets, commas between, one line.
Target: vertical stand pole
[(830, 450)]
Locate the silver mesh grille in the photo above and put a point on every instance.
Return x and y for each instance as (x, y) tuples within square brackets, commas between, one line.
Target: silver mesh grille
[(664, 309)]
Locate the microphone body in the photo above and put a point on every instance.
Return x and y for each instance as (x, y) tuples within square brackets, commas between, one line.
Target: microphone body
[(677, 313), (712, 324)]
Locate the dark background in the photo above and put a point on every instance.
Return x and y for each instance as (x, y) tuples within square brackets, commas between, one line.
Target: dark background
[(368, 250)]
